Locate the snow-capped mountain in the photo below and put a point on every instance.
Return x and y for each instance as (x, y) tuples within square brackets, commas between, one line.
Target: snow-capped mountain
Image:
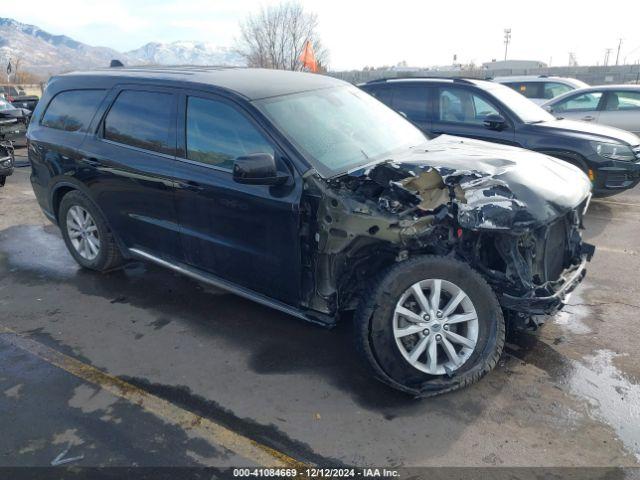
[(184, 53), (43, 53)]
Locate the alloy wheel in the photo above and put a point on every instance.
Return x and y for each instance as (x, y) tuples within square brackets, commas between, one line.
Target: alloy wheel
[(435, 325), (83, 232)]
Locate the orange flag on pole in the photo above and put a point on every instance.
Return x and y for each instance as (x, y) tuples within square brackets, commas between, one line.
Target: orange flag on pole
[(308, 59)]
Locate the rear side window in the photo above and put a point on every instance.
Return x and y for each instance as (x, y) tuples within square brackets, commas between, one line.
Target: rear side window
[(411, 100), (382, 93), (623, 101), (528, 89), (217, 133), (72, 110), (141, 119)]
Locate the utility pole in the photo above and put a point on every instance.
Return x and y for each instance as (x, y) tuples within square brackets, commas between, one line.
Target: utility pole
[(507, 39), (607, 52), (618, 54)]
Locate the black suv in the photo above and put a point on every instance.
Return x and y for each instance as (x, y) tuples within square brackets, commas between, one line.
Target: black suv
[(305, 194), (493, 112)]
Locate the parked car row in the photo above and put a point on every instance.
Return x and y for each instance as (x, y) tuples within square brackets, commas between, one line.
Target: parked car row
[(18, 97), (304, 193), (489, 111), (540, 88), (614, 105)]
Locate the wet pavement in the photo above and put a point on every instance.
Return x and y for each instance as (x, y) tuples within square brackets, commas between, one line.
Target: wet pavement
[(566, 395)]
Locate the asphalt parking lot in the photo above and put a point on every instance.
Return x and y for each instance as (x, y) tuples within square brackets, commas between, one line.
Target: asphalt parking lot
[(144, 367)]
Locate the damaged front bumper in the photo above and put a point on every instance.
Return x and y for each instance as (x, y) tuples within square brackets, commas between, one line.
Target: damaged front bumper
[(547, 299)]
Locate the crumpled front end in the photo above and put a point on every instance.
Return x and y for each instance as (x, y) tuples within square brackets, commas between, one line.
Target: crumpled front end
[(373, 217)]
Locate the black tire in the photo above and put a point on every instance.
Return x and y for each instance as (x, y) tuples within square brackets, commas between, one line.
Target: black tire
[(109, 255), (3, 180), (374, 329)]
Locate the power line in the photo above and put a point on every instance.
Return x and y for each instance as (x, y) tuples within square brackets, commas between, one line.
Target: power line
[(507, 39)]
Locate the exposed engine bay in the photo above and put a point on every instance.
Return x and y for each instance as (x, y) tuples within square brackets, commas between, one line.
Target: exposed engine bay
[(532, 254)]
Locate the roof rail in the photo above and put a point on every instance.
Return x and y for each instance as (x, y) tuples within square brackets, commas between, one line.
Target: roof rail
[(454, 79)]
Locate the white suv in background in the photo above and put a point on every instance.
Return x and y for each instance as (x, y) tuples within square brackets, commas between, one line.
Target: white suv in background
[(540, 88)]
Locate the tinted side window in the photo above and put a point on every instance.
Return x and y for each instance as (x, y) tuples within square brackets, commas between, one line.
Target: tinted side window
[(528, 89), (217, 133), (579, 103), (382, 93), (73, 110), (141, 119), (411, 100), (460, 105)]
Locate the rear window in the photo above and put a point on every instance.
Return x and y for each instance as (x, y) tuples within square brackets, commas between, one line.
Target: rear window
[(141, 119), (72, 110)]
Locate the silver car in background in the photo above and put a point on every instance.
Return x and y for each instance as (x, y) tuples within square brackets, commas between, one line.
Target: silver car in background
[(613, 105), (540, 88)]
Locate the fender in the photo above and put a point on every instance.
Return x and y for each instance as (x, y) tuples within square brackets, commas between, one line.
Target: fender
[(75, 184), (568, 156)]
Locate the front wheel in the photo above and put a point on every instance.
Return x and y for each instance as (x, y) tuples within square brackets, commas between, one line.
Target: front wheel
[(430, 325), (3, 180)]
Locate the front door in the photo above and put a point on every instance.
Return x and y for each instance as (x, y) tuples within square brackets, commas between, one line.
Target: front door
[(134, 152), (462, 111), (581, 106), (245, 234)]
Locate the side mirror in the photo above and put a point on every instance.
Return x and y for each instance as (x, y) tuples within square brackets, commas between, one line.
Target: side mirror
[(494, 122), (549, 108), (257, 169)]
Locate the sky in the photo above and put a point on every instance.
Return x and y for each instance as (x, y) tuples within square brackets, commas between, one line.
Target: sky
[(361, 33)]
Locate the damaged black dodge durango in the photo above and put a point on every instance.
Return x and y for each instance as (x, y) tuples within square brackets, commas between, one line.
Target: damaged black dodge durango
[(305, 194)]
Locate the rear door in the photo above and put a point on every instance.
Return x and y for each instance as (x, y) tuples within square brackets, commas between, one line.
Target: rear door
[(409, 99), (134, 152), (412, 101), (621, 109), (580, 106), (245, 234), (462, 111)]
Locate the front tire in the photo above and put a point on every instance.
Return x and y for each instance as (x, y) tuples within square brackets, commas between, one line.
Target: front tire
[(430, 325), (3, 180), (86, 234)]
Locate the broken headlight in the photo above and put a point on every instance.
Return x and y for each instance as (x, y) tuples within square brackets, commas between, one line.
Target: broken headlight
[(614, 151)]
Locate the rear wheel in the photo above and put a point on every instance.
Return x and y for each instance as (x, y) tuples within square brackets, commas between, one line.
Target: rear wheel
[(430, 325), (86, 233)]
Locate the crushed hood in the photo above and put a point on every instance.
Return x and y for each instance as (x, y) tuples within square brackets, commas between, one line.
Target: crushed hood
[(494, 186)]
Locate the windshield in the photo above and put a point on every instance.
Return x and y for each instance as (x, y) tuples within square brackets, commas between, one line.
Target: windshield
[(340, 128), (524, 108)]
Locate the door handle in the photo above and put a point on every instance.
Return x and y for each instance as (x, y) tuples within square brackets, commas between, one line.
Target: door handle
[(588, 118), (191, 185), (94, 162)]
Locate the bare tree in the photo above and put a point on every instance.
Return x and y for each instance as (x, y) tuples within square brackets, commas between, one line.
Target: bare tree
[(276, 36)]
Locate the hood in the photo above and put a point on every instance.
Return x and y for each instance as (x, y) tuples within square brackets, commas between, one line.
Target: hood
[(591, 131), (497, 187)]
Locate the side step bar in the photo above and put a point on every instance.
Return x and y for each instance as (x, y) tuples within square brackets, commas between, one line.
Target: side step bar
[(231, 287)]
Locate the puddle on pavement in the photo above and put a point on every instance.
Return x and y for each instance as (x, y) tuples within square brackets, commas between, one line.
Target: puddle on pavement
[(37, 248), (573, 316), (613, 398)]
